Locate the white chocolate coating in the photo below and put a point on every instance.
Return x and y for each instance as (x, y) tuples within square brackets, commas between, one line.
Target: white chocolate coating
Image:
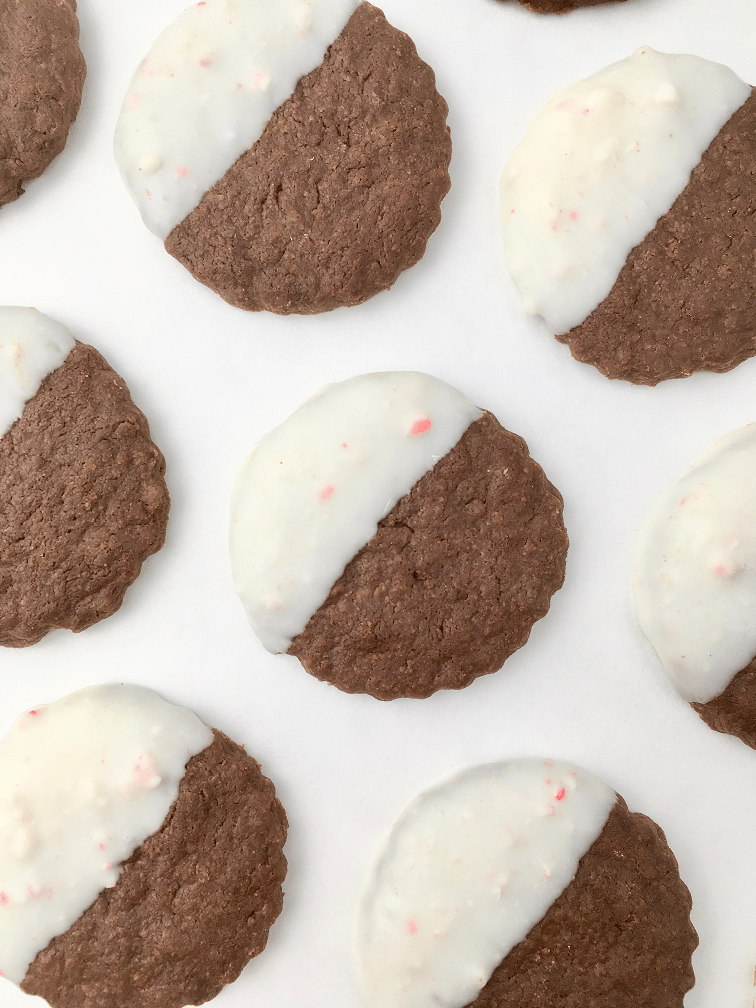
[(602, 161), (468, 870), (83, 782), (32, 346), (694, 570), (312, 492), (206, 90)]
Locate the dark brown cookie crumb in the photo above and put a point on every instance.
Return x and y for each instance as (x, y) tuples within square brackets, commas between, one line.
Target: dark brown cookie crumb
[(83, 501), (453, 580), (683, 301), (619, 935), (733, 712), (191, 906), (342, 190), (41, 82)]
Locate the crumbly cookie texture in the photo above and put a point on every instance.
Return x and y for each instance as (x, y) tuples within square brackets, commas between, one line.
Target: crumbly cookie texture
[(619, 934), (342, 190), (40, 87), (683, 301), (191, 906), (83, 501), (733, 712), (453, 580)]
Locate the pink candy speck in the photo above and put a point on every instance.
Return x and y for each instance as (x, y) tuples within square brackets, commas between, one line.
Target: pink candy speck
[(33, 713), (411, 927), (560, 794), (421, 426), (344, 444), (183, 172), (548, 762), (4, 899), (205, 61), (326, 493), (101, 846), (573, 215)]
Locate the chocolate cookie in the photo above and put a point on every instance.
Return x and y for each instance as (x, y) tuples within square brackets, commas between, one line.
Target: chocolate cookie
[(184, 901), (40, 87), (644, 266), (83, 500), (334, 181), (394, 538), (582, 897), (694, 583), (561, 6)]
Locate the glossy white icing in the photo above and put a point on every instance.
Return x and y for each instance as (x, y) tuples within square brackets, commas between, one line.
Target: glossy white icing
[(312, 492), (83, 782), (467, 871), (205, 91), (603, 160), (32, 346), (694, 570)]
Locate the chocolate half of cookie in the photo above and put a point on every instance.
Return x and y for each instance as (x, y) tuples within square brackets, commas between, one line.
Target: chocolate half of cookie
[(341, 188), (83, 500), (632, 238), (189, 906), (40, 87), (549, 893), (395, 538), (694, 583)]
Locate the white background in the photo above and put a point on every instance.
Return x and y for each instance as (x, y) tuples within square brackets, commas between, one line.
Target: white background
[(213, 379)]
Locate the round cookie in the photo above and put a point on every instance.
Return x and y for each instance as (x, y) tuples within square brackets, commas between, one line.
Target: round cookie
[(157, 865), (329, 181), (694, 584), (524, 883), (631, 240), (395, 538), (83, 500), (40, 87)]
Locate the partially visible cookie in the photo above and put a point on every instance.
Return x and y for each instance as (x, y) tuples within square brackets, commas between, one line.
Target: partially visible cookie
[(632, 239), (694, 583), (157, 862), (561, 6), (394, 538), (330, 182), (40, 87), (520, 884), (83, 500)]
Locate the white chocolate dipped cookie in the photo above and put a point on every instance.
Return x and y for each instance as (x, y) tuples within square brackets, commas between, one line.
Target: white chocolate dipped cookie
[(394, 537), (623, 213), (523, 883), (141, 858), (83, 499), (694, 583), (292, 154)]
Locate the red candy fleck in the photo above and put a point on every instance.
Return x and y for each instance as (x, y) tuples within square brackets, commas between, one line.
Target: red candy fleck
[(421, 426), (548, 762), (560, 794), (101, 846), (4, 899), (344, 444), (326, 492), (33, 713), (183, 172), (205, 61), (411, 927), (573, 215)]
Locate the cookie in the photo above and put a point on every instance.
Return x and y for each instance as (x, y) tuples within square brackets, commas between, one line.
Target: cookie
[(142, 859), (313, 170), (83, 500), (694, 584), (520, 884), (631, 239), (395, 538), (40, 87), (561, 6)]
